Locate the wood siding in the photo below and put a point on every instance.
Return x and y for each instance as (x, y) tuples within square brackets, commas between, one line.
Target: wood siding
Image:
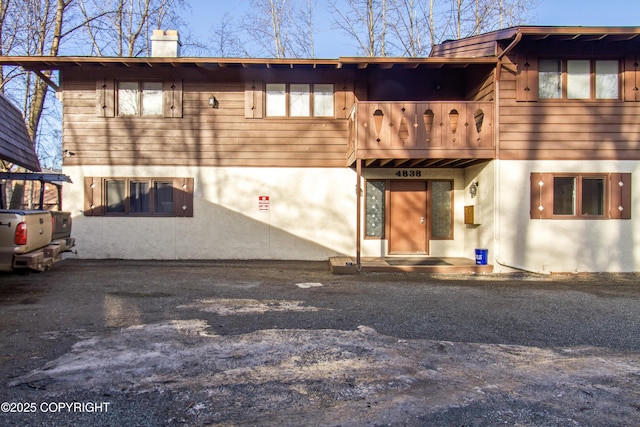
[(532, 129), (422, 130), (203, 136)]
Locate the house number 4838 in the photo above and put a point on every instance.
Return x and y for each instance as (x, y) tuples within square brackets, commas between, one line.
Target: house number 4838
[(408, 173)]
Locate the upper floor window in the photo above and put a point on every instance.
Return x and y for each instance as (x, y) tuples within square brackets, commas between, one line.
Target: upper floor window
[(578, 79), (139, 98), (299, 100)]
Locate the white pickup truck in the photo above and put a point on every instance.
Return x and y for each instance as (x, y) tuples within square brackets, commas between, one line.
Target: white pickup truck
[(33, 239)]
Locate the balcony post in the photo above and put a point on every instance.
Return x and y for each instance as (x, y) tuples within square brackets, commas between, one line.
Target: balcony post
[(358, 208)]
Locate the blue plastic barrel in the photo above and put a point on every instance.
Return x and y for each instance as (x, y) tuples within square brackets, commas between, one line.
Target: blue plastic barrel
[(481, 256)]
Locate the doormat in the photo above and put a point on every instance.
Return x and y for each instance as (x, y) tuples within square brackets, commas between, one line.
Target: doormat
[(416, 261)]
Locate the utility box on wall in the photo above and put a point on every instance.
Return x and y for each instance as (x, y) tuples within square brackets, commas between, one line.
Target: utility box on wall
[(472, 215)]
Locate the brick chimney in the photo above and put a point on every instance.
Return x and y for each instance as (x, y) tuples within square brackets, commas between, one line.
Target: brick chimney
[(165, 44)]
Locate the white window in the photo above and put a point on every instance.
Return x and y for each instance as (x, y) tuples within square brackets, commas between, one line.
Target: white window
[(276, 99), (140, 98), (550, 79), (299, 100), (607, 80), (128, 99), (578, 79), (323, 100), (152, 98)]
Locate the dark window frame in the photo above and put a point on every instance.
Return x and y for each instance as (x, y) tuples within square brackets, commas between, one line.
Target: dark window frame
[(578, 196), (97, 197), (616, 200)]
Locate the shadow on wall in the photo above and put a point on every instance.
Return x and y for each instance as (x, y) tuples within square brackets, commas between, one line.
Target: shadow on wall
[(292, 225)]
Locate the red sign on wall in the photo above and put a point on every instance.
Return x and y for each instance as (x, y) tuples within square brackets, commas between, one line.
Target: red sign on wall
[(263, 203)]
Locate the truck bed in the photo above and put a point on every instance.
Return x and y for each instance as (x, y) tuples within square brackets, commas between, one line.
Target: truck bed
[(48, 235)]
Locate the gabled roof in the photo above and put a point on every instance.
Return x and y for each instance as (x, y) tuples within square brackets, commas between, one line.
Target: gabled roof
[(15, 144), (487, 45)]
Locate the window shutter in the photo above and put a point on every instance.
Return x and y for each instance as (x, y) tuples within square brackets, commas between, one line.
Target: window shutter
[(105, 98), (172, 98), (343, 99), (541, 195), (93, 197), (527, 78), (620, 196), (183, 196), (632, 78), (253, 99)]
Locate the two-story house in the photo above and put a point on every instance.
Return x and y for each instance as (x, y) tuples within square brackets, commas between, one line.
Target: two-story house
[(523, 142)]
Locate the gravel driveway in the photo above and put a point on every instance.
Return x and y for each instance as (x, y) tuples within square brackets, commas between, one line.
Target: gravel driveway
[(288, 343)]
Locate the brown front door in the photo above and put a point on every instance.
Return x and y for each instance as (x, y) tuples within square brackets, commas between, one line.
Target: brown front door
[(408, 217)]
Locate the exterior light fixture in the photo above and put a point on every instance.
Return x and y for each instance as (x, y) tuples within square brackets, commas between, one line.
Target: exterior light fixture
[(213, 102), (473, 189)]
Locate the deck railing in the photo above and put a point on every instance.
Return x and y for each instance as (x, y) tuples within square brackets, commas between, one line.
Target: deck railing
[(462, 129)]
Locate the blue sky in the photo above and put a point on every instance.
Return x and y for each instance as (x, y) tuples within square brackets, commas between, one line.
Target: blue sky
[(205, 14)]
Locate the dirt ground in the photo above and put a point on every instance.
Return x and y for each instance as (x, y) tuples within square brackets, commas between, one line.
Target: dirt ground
[(288, 343)]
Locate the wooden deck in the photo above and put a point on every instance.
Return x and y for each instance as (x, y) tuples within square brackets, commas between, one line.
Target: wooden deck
[(347, 265)]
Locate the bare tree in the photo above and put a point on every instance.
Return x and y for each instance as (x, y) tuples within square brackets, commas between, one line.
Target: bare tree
[(364, 21), (266, 24), (416, 25), (47, 28), (303, 36), (124, 27), (280, 28), (224, 41)]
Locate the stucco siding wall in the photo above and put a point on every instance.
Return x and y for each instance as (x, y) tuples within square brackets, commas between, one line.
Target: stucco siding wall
[(311, 216), (555, 245)]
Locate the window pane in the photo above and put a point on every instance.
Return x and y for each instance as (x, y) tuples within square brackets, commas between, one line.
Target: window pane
[(441, 209), (564, 195), (607, 79), (276, 100), (578, 79), (128, 99), (323, 100), (152, 99), (550, 78), (374, 224), (592, 196), (139, 196), (163, 193), (299, 101), (115, 195)]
